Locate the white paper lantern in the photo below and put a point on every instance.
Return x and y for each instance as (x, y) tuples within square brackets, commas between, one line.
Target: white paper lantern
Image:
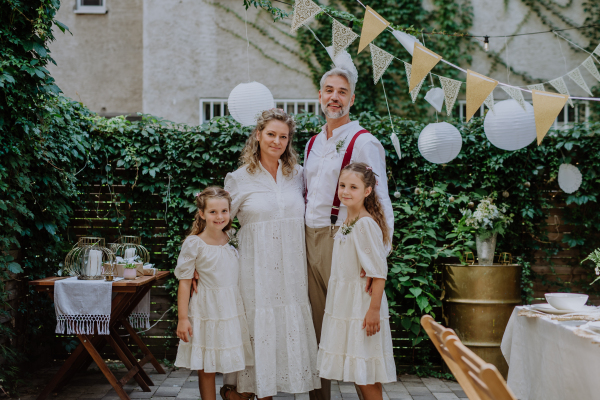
[(569, 178), (247, 100), (510, 127), (440, 142)]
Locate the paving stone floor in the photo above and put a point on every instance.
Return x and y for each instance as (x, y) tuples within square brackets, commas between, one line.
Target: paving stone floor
[(183, 384)]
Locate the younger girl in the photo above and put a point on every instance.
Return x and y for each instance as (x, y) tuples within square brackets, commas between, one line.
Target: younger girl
[(356, 341), (214, 333)]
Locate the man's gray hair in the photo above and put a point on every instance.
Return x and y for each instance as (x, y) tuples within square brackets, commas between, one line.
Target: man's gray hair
[(339, 72)]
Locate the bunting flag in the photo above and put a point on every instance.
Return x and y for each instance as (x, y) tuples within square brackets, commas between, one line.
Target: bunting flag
[(423, 61), (538, 86), (396, 144), (489, 102), (561, 87), (451, 88), (591, 67), (304, 10), (597, 50), (373, 25), (516, 94), (415, 91), (575, 75), (546, 107), (479, 88), (381, 61), (342, 37)]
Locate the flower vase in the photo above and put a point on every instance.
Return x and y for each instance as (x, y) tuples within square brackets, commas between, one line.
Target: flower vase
[(486, 246)]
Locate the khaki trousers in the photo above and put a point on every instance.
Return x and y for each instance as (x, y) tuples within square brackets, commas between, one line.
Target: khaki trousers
[(319, 252)]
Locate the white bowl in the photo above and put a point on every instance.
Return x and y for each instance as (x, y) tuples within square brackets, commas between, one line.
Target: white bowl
[(567, 301)]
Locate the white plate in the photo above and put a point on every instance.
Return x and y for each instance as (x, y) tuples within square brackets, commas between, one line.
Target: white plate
[(548, 309)]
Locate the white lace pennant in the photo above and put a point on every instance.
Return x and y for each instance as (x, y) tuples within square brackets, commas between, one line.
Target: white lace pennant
[(451, 88), (415, 91), (575, 75), (597, 50), (561, 87), (537, 86), (342, 37), (489, 102), (381, 61), (591, 67), (304, 10), (396, 144), (516, 94)]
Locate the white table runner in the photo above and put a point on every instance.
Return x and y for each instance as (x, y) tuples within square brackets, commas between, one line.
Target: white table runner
[(547, 360), (82, 305)]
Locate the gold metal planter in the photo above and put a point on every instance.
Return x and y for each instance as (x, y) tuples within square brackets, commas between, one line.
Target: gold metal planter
[(478, 302)]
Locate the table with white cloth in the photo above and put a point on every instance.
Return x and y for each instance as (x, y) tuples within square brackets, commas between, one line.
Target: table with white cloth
[(125, 300), (548, 360)]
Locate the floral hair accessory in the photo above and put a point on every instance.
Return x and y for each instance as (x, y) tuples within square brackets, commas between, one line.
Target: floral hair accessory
[(374, 173), (370, 169), (197, 194)]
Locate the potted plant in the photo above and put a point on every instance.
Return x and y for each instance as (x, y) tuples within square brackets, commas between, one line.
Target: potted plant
[(488, 220), (595, 258), (129, 271)]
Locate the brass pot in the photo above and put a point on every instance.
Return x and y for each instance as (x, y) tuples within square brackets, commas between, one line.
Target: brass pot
[(478, 301)]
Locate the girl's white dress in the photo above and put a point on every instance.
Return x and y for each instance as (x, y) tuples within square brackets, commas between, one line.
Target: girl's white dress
[(221, 340), (273, 282), (345, 352)]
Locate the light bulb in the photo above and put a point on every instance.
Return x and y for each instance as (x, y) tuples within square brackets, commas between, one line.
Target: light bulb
[(486, 43)]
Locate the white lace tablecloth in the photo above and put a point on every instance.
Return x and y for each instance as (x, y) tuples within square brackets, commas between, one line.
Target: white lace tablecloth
[(548, 361)]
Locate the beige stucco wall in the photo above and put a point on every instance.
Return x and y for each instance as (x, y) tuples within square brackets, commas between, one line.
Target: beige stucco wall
[(194, 49), (101, 63)]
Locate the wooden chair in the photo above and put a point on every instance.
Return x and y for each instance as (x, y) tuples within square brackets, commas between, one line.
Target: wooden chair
[(484, 377), (437, 333)]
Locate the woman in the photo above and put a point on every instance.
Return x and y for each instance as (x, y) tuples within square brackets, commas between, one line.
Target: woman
[(268, 199)]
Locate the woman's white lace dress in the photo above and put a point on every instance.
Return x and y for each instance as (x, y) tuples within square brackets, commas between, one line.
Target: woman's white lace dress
[(345, 352), (273, 282), (221, 338)]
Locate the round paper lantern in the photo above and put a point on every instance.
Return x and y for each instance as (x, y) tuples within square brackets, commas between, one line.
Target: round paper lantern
[(440, 142), (509, 127), (247, 100), (569, 178)]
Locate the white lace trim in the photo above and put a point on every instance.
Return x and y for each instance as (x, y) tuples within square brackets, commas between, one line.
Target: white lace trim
[(139, 320), (83, 324)]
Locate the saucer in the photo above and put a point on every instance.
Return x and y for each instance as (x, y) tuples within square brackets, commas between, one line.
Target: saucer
[(548, 309)]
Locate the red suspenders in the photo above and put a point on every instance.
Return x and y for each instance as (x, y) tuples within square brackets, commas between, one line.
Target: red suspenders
[(335, 208)]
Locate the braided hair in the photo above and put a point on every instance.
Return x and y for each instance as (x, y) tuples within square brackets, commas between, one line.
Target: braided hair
[(372, 202), (211, 192)]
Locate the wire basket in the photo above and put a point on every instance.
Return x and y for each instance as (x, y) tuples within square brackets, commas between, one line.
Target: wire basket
[(130, 246), (87, 257)]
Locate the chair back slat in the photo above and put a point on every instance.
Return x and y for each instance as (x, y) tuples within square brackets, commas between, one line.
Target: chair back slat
[(437, 333), (484, 377)]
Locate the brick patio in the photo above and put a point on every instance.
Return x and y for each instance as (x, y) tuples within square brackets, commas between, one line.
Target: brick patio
[(183, 384)]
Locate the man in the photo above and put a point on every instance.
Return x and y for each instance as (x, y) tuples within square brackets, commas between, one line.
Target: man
[(323, 158)]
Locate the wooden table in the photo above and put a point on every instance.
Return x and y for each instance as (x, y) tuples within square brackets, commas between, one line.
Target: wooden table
[(128, 294)]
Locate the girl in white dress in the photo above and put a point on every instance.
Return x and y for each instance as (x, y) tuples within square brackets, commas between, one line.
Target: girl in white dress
[(268, 199), (212, 325), (356, 341)]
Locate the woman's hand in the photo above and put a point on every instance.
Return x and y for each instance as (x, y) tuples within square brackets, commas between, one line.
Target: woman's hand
[(183, 328), (368, 287), (195, 281), (371, 322)]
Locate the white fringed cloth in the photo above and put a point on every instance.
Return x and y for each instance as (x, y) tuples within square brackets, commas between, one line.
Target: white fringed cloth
[(82, 306), (140, 317)]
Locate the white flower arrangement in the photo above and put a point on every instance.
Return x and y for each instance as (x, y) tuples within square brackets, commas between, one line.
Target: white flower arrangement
[(595, 258), (487, 218)]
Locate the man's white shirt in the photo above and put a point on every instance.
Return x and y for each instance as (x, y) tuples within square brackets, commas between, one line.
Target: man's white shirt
[(322, 170)]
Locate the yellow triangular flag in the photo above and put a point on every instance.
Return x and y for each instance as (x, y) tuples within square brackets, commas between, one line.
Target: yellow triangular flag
[(479, 88), (423, 61), (546, 107), (373, 25)]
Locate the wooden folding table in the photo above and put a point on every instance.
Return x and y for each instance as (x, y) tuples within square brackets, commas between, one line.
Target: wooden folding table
[(128, 294)]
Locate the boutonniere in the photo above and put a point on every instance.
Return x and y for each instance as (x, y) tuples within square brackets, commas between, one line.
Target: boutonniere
[(346, 229), (339, 145)]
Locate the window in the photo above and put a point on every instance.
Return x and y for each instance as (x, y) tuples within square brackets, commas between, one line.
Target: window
[(90, 7), (569, 115), (210, 108)]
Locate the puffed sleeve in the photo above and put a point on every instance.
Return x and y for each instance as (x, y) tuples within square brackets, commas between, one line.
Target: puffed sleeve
[(370, 249), (186, 263), (236, 199)]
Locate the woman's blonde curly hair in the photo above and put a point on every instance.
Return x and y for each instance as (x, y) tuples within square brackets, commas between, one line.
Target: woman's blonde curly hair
[(251, 152)]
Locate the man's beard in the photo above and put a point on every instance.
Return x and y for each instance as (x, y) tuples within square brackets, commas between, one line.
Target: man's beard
[(334, 115)]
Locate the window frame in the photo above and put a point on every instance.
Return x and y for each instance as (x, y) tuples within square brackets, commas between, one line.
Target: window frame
[(81, 9), (221, 104)]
